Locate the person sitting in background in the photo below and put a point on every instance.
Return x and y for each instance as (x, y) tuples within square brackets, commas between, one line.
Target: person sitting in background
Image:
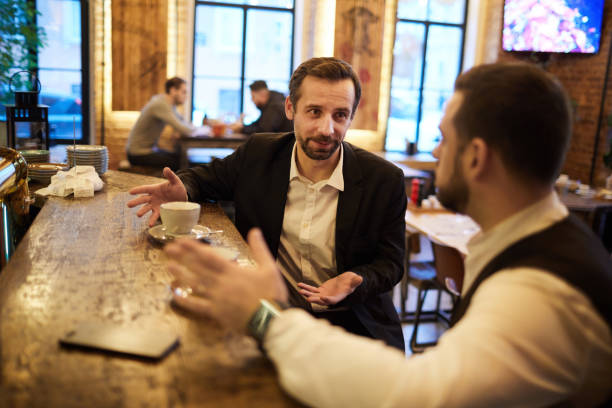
[(160, 111), (272, 107), (533, 327)]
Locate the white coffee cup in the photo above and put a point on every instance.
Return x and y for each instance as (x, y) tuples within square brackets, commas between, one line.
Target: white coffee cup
[(179, 217)]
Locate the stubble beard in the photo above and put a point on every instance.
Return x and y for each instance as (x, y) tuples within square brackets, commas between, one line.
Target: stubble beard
[(318, 154), (454, 196)]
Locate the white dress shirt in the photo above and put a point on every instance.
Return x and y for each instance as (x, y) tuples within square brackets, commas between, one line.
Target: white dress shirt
[(307, 248), (528, 339)]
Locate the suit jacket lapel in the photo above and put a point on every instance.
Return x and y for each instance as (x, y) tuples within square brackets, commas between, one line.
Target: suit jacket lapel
[(277, 187), (349, 201)]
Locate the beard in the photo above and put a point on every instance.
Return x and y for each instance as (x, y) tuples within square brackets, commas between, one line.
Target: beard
[(454, 196), (318, 154)]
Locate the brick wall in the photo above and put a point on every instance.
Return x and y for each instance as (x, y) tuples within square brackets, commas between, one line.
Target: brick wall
[(583, 77)]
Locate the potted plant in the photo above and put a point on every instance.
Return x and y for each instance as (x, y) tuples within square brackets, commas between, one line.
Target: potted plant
[(20, 38)]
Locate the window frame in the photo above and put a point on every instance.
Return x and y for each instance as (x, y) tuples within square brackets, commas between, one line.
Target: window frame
[(427, 24), (85, 85), (245, 8)]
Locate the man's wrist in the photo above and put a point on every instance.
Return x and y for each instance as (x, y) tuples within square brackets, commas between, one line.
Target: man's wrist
[(260, 320)]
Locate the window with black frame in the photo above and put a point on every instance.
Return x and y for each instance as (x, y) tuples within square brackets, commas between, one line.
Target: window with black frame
[(62, 68), (427, 58), (235, 43)]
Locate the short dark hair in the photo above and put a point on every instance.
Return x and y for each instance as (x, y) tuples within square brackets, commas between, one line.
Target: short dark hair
[(332, 69), (174, 82), (258, 85), (520, 111)]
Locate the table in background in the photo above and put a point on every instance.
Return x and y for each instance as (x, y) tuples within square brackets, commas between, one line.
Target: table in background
[(185, 143), (419, 161), (593, 212), (443, 227), (90, 260)]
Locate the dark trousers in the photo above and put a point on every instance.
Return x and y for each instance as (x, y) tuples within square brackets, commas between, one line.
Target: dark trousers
[(159, 158), (345, 319)]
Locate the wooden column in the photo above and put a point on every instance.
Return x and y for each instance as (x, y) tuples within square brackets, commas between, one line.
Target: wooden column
[(359, 41), (140, 47)]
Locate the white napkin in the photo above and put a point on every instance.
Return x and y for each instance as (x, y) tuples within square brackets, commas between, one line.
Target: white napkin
[(81, 181)]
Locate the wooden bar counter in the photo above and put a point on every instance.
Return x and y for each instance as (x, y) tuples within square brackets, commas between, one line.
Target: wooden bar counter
[(90, 260)]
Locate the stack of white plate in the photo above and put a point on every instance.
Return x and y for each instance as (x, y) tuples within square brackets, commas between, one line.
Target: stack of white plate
[(35, 156), (88, 155), (42, 172)]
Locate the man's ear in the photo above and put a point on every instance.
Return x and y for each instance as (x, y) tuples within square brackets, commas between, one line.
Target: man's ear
[(289, 108), (477, 157)]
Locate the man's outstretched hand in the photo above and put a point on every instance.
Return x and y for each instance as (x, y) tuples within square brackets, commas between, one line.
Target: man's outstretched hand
[(331, 291), (219, 288), (154, 195)]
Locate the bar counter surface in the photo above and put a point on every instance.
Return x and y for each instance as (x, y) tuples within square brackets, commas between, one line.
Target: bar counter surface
[(90, 260)]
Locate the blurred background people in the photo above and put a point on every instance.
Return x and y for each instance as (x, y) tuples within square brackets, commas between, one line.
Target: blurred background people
[(142, 148), (272, 107)]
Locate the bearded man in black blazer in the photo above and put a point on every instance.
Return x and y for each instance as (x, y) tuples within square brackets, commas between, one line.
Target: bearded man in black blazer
[(331, 213)]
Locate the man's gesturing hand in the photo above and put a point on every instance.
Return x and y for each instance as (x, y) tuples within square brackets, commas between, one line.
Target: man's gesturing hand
[(154, 195), (333, 290), (221, 289)]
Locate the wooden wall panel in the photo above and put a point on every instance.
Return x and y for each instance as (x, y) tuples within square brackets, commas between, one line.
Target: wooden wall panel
[(359, 41), (139, 53)]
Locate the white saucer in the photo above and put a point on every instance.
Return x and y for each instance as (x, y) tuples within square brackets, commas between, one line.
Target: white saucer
[(159, 234)]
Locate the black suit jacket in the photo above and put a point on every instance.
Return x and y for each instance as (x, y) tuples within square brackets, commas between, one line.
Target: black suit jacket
[(370, 224)]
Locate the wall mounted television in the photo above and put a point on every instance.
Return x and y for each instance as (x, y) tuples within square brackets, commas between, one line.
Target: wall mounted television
[(552, 26)]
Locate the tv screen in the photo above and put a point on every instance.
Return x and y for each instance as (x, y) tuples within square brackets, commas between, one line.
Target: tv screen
[(552, 25)]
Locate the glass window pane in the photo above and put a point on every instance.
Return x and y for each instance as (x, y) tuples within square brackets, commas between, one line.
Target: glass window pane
[(250, 110), (61, 20), (447, 11), (268, 44), (405, 85), (218, 42), (264, 3), (441, 69), (59, 64), (216, 98), (61, 90), (412, 9)]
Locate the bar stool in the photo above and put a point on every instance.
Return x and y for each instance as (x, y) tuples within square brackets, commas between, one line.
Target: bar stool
[(444, 274)]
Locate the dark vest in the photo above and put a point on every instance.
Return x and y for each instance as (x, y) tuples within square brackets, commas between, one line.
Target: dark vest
[(569, 250)]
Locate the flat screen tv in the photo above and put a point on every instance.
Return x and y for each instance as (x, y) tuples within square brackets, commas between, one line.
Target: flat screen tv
[(565, 26)]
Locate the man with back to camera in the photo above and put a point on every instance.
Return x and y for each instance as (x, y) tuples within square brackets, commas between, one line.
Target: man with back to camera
[(272, 107), (533, 326), (160, 111), (332, 214)]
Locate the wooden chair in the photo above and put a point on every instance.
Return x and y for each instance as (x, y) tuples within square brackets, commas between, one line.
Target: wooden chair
[(444, 274)]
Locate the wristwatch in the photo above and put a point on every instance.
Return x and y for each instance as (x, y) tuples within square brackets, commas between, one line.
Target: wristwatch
[(258, 323)]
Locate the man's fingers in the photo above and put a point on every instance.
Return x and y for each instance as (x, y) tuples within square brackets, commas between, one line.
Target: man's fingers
[(195, 304), (154, 216), (309, 288), (139, 200), (171, 177), (356, 281), (259, 249), (148, 189), (183, 276), (144, 209), (306, 293), (205, 257)]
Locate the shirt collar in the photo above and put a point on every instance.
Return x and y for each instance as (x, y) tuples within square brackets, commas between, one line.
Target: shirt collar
[(484, 246), (336, 180)]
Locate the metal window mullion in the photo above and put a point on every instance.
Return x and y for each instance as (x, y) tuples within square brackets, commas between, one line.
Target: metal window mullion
[(422, 84), (243, 62)]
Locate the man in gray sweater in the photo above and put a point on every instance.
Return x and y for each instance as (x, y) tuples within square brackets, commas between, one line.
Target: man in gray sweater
[(142, 146)]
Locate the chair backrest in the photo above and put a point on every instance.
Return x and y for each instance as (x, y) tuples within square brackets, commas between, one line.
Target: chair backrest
[(449, 266)]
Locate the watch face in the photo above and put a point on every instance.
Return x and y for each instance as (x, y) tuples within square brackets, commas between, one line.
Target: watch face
[(258, 324)]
